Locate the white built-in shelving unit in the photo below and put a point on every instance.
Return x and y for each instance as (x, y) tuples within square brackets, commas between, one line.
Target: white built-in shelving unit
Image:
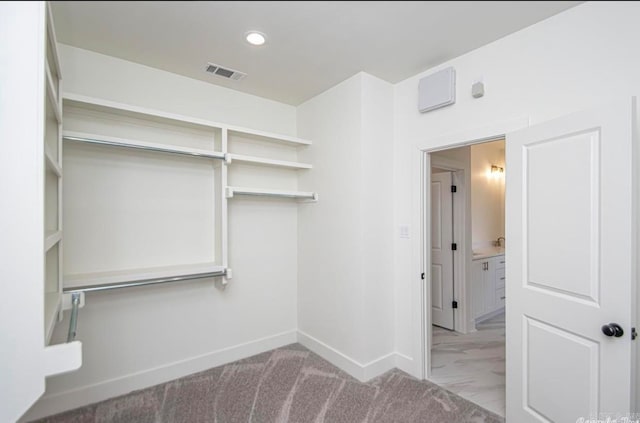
[(52, 183), (106, 134)]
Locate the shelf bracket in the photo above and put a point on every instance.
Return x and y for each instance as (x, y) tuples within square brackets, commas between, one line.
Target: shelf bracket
[(73, 320), (227, 158), (67, 300), (228, 192), (227, 276)]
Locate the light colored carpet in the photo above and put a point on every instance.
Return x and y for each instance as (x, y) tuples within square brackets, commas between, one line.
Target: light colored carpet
[(289, 384)]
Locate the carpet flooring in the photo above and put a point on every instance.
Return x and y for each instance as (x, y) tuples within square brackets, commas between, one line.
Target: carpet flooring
[(289, 384)]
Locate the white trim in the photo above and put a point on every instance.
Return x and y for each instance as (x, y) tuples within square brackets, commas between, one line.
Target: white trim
[(362, 372), (333, 356), (489, 315), (473, 136), (422, 336), (84, 395), (405, 363)]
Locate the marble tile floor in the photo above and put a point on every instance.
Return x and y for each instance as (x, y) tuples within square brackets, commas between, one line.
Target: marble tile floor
[(472, 365), (289, 384)]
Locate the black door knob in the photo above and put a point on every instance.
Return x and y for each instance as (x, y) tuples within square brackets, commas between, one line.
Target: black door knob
[(612, 329)]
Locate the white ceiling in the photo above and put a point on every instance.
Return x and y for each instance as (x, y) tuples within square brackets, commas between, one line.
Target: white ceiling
[(310, 47)]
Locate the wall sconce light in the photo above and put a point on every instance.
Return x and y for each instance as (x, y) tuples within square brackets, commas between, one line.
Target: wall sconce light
[(496, 170)]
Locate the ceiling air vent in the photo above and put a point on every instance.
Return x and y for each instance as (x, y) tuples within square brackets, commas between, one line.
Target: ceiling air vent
[(225, 72)]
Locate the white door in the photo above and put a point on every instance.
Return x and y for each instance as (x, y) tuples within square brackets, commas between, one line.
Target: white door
[(441, 253), (570, 226)]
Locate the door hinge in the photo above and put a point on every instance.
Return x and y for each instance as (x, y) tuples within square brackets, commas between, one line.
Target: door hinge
[(454, 304), (634, 334), (454, 246), (422, 276), (454, 188)]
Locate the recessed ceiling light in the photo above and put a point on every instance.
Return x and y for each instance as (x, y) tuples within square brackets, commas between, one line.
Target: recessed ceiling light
[(256, 38)]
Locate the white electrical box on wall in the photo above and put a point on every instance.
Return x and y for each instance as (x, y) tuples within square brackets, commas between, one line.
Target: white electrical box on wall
[(437, 90)]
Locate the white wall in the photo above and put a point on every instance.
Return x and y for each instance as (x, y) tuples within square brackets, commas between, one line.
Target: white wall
[(139, 337), (487, 193), (581, 57), (377, 217), (345, 307)]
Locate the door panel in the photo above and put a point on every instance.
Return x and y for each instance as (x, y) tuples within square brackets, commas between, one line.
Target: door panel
[(571, 267), (574, 369), (441, 254), (571, 256)]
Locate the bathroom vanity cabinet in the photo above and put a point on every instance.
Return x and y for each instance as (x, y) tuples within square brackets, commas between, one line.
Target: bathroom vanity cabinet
[(488, 285)]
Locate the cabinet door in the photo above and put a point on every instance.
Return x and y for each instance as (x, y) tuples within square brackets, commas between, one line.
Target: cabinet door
[(477, 282), (489, 288)]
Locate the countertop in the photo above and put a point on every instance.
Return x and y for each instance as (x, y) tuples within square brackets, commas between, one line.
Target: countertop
[(483, 253)]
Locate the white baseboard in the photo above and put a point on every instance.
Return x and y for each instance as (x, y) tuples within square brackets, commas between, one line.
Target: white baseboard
[(406, 364), (51, 404), (84, 395), (362, 372), (488, 316)]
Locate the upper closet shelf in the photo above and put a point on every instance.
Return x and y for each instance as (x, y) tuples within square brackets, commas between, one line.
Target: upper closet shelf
[(100, 281), (140, 145), (126, 109), (269, 162)]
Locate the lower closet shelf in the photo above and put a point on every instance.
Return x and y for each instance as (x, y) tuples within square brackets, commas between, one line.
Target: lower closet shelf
[(133, 277), (230, 192)]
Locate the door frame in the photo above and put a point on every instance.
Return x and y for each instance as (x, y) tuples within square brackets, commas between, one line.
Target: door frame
[(459, 178), (422, 301)]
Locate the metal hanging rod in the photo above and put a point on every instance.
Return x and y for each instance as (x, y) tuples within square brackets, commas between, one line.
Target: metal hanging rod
[(211, 155), (145, 282)]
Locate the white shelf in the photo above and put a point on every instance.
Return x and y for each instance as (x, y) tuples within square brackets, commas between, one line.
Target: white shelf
[(52, 96), (51, 308), (132, 275), (51, 162), (51, 238), (100, 104), (269, 162), (142, 145), (301, 195), (267, 136)]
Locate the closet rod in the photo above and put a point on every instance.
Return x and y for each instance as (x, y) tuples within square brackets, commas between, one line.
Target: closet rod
[(144, 282), (73, 321), (276, 194), (145, 147)]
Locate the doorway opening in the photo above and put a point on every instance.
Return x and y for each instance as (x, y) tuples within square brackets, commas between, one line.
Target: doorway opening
[(467, 277)]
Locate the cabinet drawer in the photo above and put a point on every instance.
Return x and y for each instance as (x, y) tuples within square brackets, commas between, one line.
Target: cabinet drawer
[(500, 298), (500, 278), (500, 262)]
